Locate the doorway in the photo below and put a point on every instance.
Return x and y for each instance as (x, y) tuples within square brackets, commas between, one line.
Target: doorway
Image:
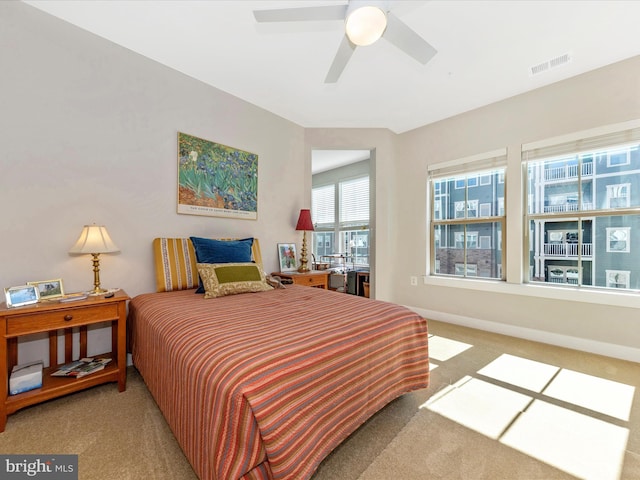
[(342, 207)]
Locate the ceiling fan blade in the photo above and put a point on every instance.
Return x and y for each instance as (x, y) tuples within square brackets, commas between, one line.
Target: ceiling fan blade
[(345, 50), (407, 40), (302, 14)]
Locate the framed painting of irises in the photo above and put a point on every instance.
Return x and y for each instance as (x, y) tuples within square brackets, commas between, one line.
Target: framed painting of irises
[(216, 180)]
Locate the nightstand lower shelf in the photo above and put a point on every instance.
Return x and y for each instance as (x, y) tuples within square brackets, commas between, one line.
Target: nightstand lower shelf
[(53, 387)]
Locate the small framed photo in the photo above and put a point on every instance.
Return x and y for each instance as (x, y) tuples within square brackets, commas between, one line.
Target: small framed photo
[(287, 257), (49, 289), (21, 295)]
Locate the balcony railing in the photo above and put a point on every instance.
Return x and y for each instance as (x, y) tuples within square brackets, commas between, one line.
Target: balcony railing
[(567, 207), (567, 171), (567, 249), (569, 281)]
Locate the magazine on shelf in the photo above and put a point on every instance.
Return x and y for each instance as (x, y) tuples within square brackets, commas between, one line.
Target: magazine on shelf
[(82, 367)]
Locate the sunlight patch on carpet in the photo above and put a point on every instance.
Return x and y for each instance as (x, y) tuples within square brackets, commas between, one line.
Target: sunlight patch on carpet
[(544, 411), (597, 394), (578, 444), (479, 405), (520, 372), (443, 349)]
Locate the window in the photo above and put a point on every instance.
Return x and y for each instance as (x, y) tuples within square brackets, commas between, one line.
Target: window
[(323, 206), (437, 208), (618, 278), (485, 242), (471, 242), (581, 213), (471, 270), (354, 202), (618, 239), (472, 208), (485, 209), (345, 229), (618, 195), (617, 158), (465, 231)]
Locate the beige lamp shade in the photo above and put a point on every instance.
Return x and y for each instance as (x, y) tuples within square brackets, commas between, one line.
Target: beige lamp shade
[(94, 239)]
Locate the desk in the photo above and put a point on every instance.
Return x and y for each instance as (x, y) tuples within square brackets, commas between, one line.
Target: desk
[(52, 317), (355, 282)]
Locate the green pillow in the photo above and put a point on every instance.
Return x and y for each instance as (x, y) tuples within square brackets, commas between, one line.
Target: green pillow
[(220, 279)]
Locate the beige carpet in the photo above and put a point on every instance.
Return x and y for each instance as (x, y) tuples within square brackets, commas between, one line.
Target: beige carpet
[(497, 408)]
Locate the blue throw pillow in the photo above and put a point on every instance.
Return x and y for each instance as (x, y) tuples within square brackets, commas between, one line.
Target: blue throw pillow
[(221, 251)]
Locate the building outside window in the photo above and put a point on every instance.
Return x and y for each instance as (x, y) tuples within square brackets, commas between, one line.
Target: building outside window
[(583, 212)]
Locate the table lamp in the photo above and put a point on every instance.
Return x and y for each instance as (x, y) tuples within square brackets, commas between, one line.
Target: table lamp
[(304, 224), (94, 239)]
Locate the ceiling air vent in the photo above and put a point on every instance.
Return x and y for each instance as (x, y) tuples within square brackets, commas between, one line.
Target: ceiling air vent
[(550, 64)]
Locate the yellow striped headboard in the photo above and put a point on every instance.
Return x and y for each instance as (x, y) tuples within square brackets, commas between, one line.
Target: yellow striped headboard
[(175, 262)]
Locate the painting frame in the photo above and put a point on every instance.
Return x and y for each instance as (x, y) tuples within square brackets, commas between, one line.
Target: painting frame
[(49, 289), (216, 180), (287, 257), (21, 295)]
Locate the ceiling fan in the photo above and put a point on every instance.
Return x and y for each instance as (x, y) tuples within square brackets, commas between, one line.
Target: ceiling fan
[(365, 22)]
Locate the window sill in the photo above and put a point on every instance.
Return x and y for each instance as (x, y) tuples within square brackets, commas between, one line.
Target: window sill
[(630, 298)]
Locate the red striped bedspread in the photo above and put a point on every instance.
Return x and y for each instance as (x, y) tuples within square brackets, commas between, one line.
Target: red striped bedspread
[(265, 385)]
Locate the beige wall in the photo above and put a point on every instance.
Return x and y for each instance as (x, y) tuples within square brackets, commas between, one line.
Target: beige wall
[(88, 133), (605, 96)]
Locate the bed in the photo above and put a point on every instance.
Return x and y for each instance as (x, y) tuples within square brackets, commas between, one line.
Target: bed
[(264, 385)]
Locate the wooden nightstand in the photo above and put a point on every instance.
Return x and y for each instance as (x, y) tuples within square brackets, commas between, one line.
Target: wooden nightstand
[(51, 317), (312, 278)]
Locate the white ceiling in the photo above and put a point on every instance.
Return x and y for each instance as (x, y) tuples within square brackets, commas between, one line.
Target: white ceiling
[(485, 52), (323, 160)]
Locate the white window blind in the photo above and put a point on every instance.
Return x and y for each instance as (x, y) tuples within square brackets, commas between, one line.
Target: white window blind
[(354, 202), (323, 206), (476, 165), (575, 146)]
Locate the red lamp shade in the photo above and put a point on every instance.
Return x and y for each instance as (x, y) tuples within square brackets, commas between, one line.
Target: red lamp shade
[(304, 220)]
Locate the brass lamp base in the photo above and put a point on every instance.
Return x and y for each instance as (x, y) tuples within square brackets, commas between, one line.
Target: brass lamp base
[(303, 259), (97, 290)]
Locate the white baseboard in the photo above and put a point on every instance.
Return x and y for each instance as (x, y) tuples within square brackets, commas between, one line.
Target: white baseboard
[(575, 343)]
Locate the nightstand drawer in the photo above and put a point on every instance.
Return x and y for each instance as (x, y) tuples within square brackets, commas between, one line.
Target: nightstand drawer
[(313, 278), (63, 318), (311, 281)]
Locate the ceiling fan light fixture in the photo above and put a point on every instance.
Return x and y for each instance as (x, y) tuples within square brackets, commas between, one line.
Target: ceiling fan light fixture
[(365, 25)]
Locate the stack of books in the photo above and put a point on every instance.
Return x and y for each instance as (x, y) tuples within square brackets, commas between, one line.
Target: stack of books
[(82, 367)]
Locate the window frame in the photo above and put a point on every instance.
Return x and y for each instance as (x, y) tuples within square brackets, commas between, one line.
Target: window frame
[(471, 172), (586, 151), (518, 269)]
